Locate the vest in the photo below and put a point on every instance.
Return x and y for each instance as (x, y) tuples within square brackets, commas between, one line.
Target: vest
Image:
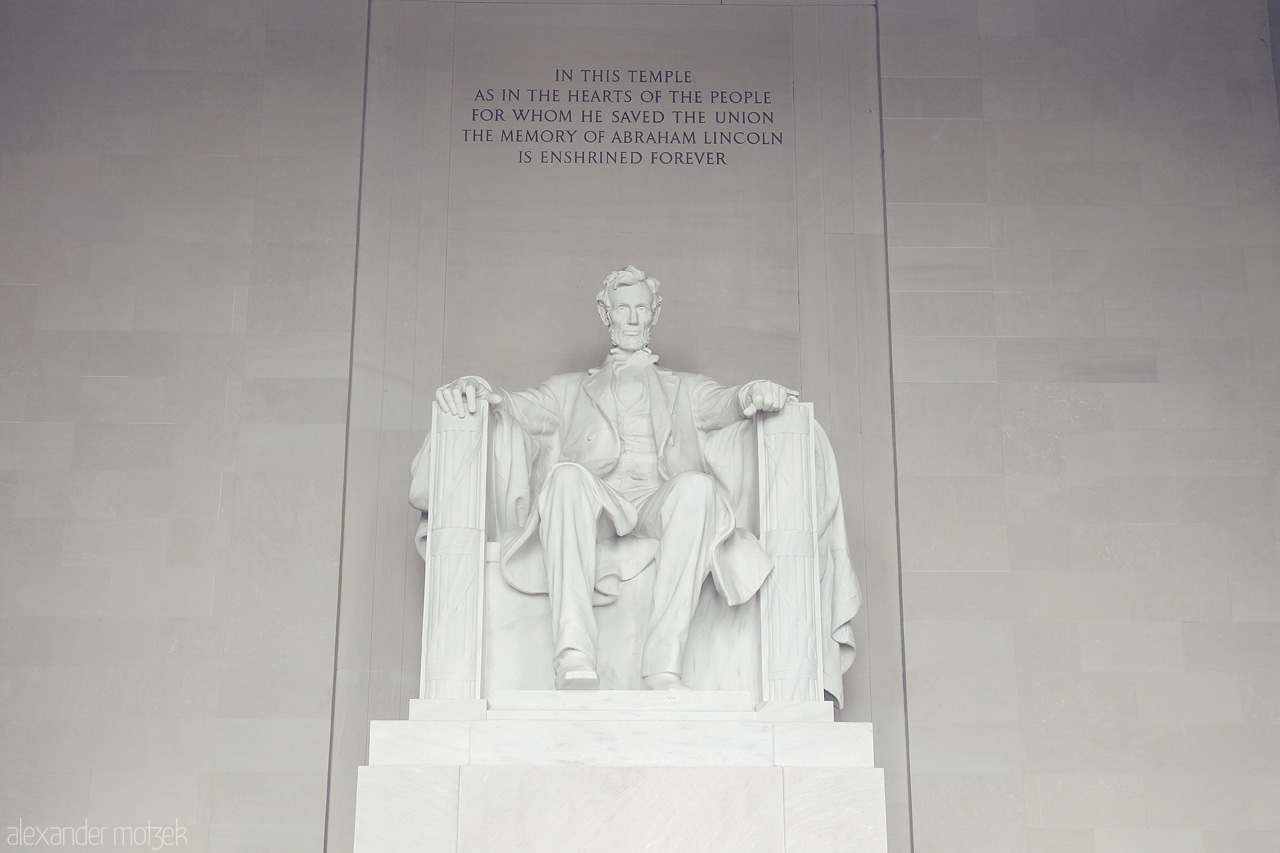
[(636, 476)]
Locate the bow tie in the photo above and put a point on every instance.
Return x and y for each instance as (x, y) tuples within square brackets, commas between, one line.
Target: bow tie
[(622, 359)]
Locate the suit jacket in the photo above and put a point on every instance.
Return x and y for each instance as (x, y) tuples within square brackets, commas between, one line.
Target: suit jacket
[(576, 413)]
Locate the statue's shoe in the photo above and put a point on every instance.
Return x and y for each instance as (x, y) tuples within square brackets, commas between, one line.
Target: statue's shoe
[(578, 679), (665, 681), (575, 670)]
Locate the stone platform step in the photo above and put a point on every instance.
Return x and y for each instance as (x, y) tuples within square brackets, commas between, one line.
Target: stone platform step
[(625, 700), (624, 743), (681, 759), (701, 705), (620, 705)]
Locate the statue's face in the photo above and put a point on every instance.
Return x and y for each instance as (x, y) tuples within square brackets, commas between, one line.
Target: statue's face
[(630, 317)]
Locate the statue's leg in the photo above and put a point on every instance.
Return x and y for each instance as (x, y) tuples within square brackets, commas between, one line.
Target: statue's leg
[(570, 507), (682, 517)]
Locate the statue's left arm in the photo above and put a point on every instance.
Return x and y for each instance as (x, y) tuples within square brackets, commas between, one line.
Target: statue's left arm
[(717, 406), (764, 396)]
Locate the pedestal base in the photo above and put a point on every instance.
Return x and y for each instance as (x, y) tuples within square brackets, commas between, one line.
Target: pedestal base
[(619, 771)]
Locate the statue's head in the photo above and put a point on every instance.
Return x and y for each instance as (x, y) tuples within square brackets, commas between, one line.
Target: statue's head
[(629, 305)]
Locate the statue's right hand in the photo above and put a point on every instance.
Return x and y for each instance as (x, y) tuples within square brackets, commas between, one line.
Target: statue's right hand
[(460, 396)]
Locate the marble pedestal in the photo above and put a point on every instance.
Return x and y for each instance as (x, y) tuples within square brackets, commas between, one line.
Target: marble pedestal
[(619, 771)]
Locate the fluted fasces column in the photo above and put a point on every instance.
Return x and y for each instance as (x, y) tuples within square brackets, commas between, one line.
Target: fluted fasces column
[(790, 623), (452, 626)]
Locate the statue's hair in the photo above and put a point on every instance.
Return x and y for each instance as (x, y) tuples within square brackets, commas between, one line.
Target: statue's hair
[(623, 277)]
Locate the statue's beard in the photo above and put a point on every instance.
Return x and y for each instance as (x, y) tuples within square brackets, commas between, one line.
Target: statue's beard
[(629, 343)]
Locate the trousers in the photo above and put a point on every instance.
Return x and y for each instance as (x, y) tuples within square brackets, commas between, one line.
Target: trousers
[(683, 515)]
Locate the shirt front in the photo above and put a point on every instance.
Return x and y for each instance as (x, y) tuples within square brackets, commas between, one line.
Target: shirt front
[(636, 475)]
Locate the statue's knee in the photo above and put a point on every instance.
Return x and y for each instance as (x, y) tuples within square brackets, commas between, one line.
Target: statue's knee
[(694, 485), (567, 477)]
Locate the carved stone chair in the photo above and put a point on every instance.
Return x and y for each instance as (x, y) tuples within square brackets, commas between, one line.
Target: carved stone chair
[(480, 634)]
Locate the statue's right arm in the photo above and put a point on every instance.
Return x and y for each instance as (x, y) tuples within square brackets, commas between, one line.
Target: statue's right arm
[(536, 410)]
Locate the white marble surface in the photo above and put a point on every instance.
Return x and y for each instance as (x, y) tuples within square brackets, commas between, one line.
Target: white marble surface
[(630, 743), (822, 744), (620, 809), (622, 771), (430, 742), (658, 787), (786, 710), (834, 808), (617, 737), (691, 716), (447, 709), (620, 700), (517, 637), (407, 808), (452, 542)]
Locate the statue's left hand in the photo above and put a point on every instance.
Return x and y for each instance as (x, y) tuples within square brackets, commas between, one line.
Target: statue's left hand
[(765, 396)]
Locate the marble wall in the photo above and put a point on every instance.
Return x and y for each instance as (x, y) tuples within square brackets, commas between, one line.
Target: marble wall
[(178, 190), (1083, 229), (1084, 244)]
